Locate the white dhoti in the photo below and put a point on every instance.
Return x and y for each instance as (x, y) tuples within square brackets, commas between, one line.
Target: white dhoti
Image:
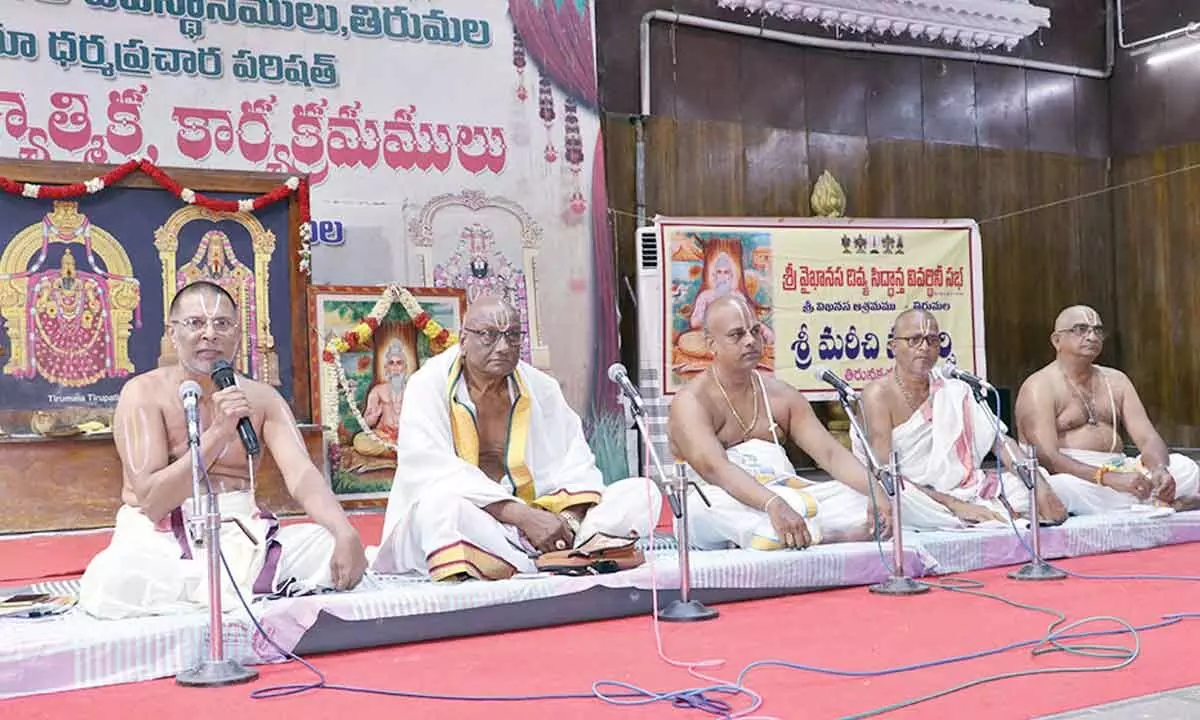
[(445, 535), (1084, 497), (436, 523), (830, 509), (941, 446), (158, 570)]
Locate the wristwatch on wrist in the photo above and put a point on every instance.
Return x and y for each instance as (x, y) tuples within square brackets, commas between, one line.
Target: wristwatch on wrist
[(572, 521)]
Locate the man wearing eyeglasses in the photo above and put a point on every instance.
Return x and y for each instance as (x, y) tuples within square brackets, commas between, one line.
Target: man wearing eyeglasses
[(1072, 409), (942, 436), (155, 564), (493, 468)]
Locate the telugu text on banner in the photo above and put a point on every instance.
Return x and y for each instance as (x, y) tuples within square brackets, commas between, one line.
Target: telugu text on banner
[(826, 291)]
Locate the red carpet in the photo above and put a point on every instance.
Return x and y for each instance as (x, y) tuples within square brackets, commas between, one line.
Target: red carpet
[(848, 629), (32, 558)]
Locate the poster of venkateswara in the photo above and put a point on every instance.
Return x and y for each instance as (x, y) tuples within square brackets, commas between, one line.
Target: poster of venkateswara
[(85, 285)]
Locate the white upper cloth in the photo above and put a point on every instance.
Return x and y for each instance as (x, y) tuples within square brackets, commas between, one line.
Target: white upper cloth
[(943, 443), (556, 453)]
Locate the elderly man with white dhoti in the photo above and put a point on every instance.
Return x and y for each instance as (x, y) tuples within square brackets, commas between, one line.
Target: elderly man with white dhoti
[(493, 469), (942, 436), (1071, 409)]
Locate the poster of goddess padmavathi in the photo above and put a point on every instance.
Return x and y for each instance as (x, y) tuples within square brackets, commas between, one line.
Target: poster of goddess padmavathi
[(69, 301)]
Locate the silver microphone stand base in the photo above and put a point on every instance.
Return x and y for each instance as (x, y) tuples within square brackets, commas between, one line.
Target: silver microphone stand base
[(1040, 570), (686, 611), (216, 673), (899, 586)]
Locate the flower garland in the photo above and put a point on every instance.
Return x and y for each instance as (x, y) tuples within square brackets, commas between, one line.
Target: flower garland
[(191, 197), (360, 335)]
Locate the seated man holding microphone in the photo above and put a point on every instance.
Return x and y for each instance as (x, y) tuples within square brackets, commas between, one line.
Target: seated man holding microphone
[(155, 564)]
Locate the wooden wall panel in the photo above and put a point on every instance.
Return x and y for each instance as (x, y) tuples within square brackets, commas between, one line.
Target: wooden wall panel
[(1156, 238)]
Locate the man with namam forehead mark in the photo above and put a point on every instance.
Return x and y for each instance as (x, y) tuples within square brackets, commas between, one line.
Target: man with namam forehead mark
[(492, 465), (727, 425), (942, 436), (153, 565), (1071, 410)]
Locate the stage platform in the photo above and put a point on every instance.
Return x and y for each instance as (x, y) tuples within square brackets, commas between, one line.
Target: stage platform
[(73, 651)]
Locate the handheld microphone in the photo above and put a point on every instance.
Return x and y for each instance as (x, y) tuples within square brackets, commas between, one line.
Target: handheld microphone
[(826, 375), (189, 393), (618, 374), (951, 372), (223, 377)]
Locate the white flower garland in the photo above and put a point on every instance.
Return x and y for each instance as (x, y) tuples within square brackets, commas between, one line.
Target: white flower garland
[(306, 248)]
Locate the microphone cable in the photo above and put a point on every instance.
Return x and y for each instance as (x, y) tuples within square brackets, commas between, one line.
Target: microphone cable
[(1057, 637), (704, 699), (716, 699), (1082, 576)]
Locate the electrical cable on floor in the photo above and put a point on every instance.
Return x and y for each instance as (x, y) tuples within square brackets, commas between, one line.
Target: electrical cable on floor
[(1052, 641), (705, 699), (716, 699)]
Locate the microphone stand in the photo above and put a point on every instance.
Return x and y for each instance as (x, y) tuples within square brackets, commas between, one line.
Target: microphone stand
[(216, 670), (893, 484), (1027, 470), (685, 609)]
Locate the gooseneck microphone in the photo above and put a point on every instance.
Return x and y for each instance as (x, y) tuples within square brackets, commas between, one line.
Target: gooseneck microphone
[(826, 375), (619, 375), (223, 377), (189, 393), (951, 372)]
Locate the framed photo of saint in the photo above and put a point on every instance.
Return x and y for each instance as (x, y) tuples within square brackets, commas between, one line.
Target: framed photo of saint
[(357, 398)]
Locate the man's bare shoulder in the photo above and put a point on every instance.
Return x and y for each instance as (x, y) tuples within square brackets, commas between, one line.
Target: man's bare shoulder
[(878, 390), (1118, 380), (784, 398), (148, 388), (690, 398), (779, 390), (1042, 379), (1113, 374)]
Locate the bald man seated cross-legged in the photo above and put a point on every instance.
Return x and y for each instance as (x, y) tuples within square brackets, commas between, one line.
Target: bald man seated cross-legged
[(942, 436), (493, 468), (154, 564), (728, 426), (1071, 410)]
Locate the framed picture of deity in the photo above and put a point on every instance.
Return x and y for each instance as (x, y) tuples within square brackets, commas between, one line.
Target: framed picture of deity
[(358, 391), (86, 283)]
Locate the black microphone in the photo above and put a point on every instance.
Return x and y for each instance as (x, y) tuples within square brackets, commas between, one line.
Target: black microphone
[(951, 372), (826, 375), (189, 393), (618, 374), (223, 377)]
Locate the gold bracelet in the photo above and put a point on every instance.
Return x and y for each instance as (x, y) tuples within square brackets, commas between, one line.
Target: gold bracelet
[(767, 505)]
